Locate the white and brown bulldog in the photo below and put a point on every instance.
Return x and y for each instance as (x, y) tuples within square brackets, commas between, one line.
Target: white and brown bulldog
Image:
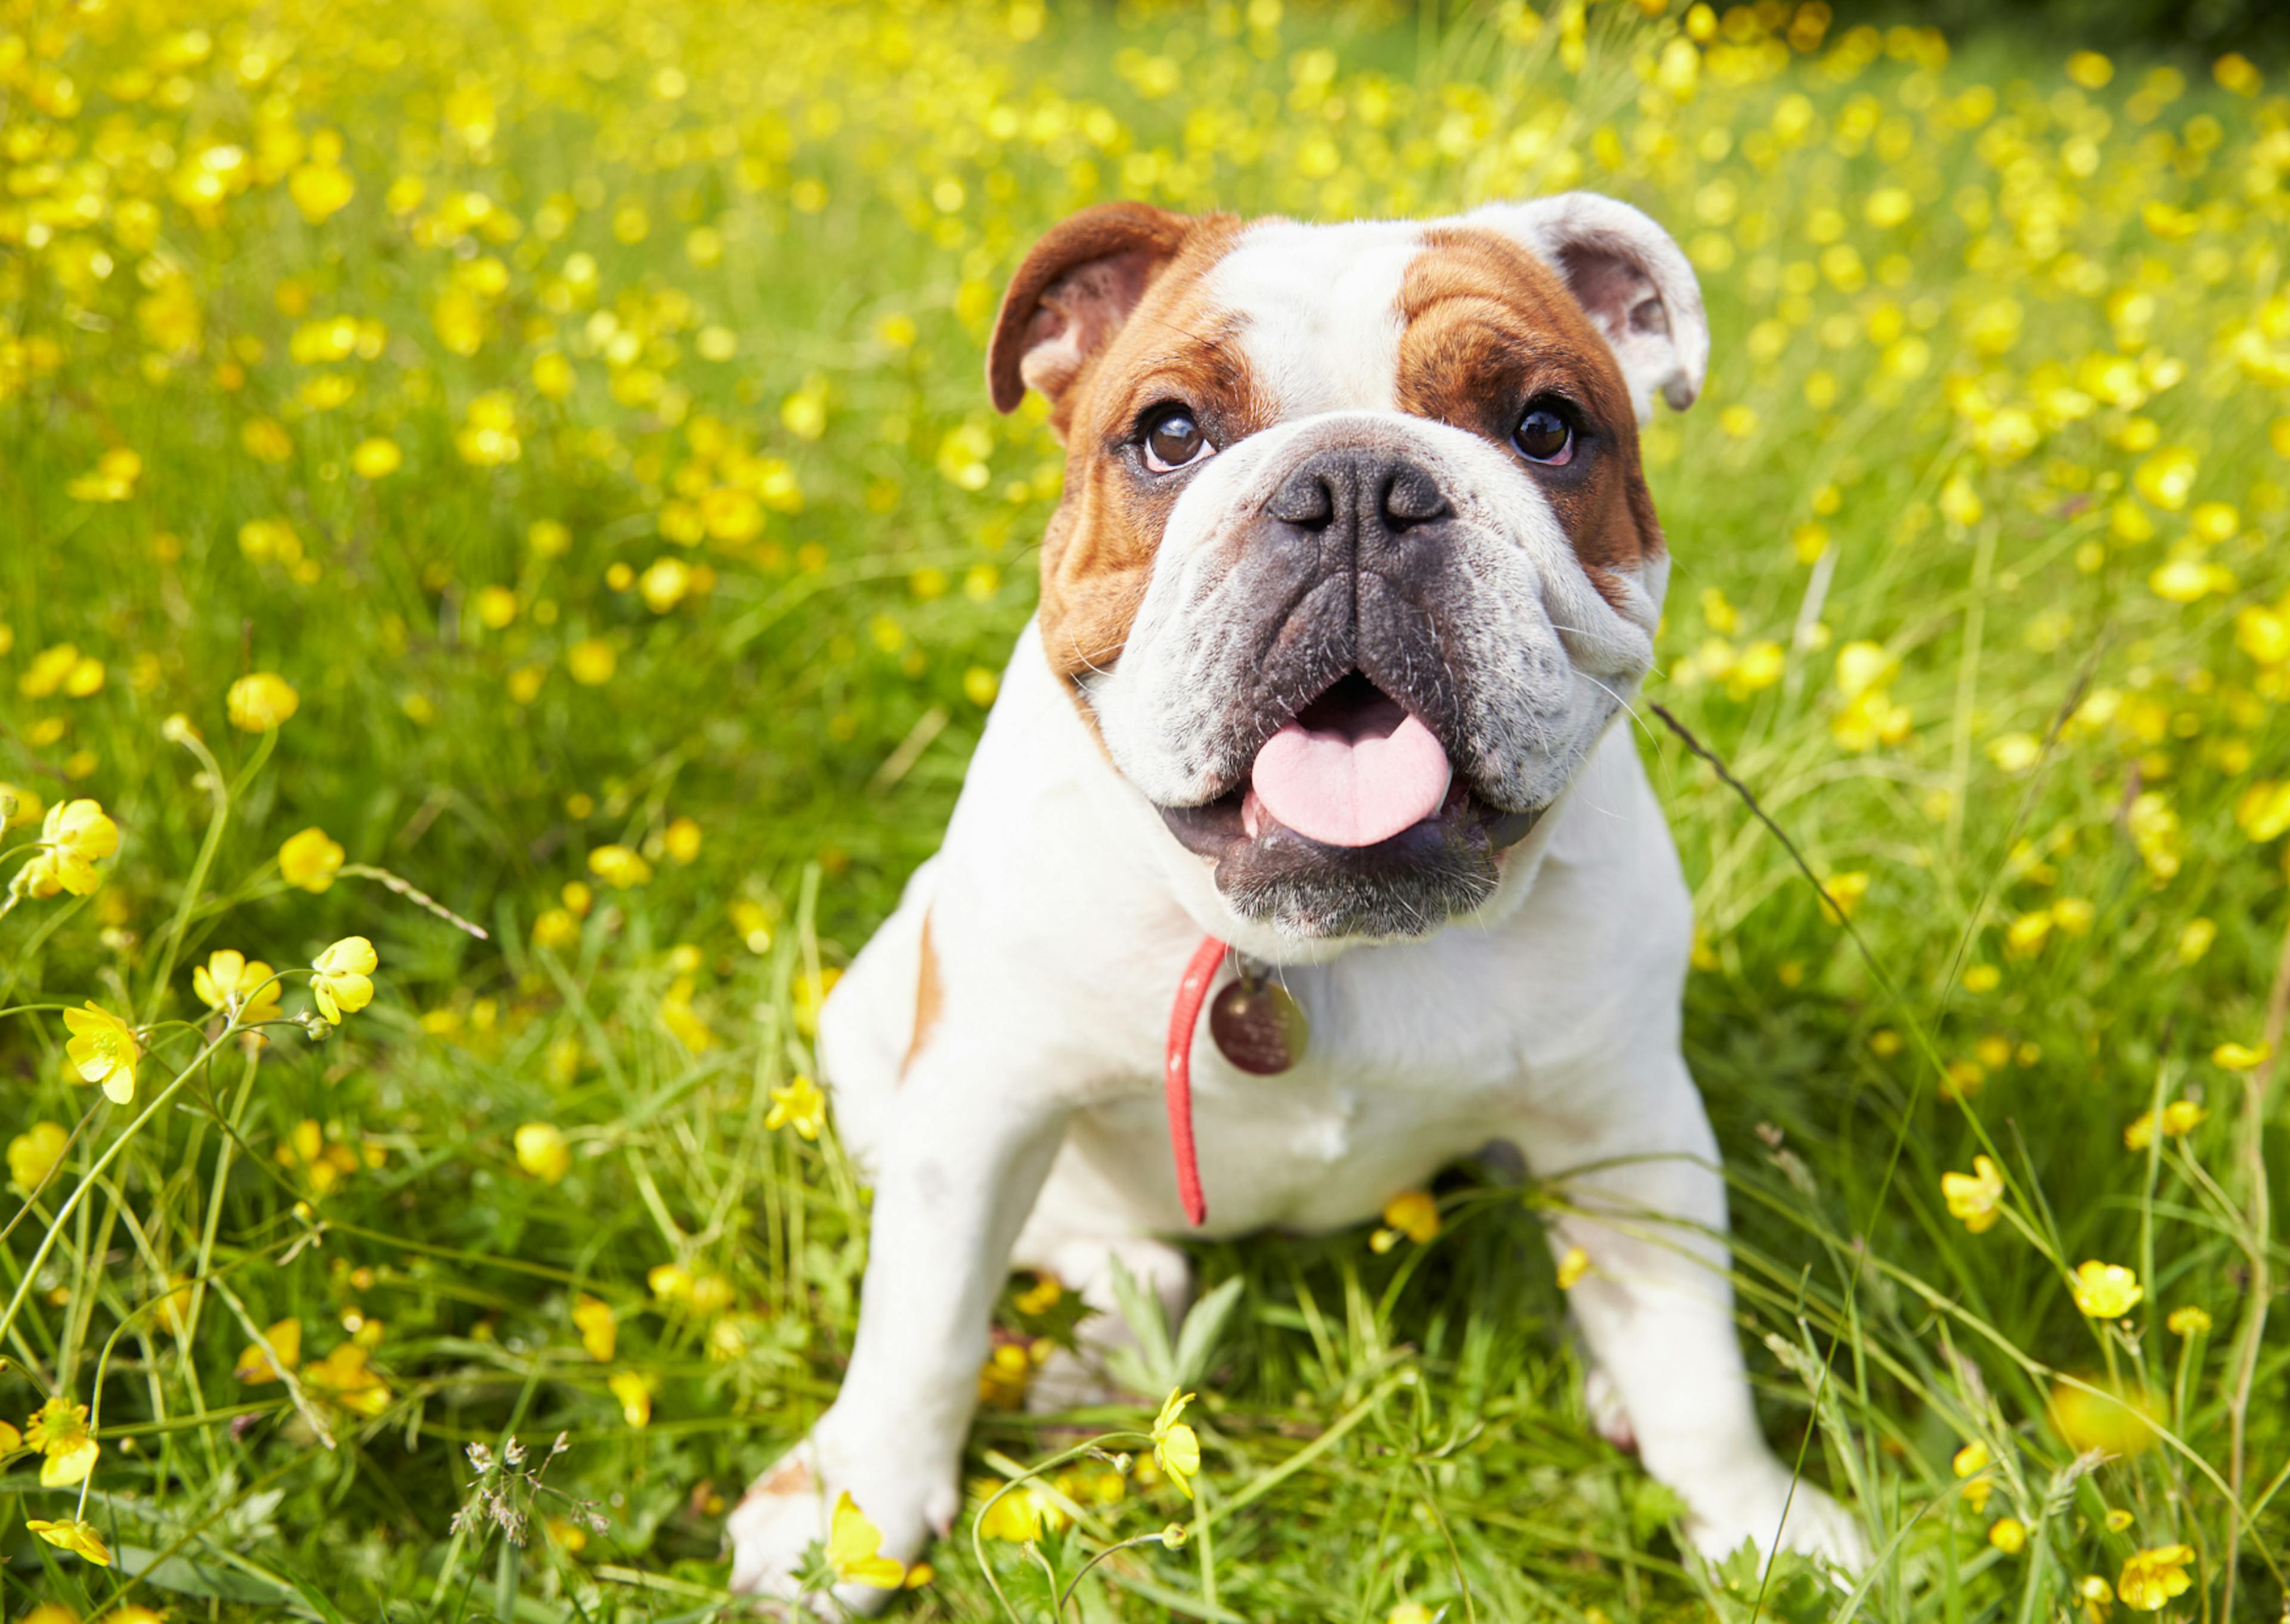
[(1355, 571)]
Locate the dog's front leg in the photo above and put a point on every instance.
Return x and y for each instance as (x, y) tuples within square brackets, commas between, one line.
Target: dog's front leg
[(954, 1178), (1646, 1205)]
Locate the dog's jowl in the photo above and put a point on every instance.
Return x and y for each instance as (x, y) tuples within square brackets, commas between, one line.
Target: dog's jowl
[(1355, 570)]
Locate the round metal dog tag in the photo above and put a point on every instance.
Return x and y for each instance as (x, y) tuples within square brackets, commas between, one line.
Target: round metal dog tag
[(1257, 1026)]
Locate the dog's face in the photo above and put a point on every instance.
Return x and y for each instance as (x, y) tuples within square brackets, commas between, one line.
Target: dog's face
[(1356, 559)]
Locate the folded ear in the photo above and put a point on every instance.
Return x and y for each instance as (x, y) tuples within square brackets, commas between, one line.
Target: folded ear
[(1072, 294), (1631, 279)]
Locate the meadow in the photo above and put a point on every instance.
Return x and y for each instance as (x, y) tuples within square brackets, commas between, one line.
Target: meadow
[(501, 521)]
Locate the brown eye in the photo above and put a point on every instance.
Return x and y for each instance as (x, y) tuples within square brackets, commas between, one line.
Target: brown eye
[(1174, 440), (1544, 435)]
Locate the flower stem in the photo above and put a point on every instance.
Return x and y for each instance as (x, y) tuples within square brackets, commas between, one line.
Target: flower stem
[(89, 1179)]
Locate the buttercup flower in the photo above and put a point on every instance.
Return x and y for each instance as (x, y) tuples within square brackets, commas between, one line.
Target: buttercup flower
[(229, 981), (75, 837), (2189, 1321), (799, 1106), (255, 1367), (1572, 1268), (1974, 1197), (80, 1538), (341, 987), (854, 1548), (599, 1328), (58, 1429), (2150, 1578), (2174, 1120), (2240, 1057), (542, 1152), (618, 867), (33, 1153), (103, 1049), (310, 861), (260, 702), (2106, 1291), (2008, 1534), (635, 1394), (1176, 1447)]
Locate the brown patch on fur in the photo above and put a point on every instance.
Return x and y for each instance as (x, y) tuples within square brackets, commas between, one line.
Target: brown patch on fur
[(1170, 344), (1489, 326), (789, 1477), (929, 996)]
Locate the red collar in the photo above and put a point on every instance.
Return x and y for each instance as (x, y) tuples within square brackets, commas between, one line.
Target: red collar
[(1177, 1074)]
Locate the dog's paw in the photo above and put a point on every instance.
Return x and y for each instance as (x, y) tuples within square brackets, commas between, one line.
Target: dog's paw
[(791, 1507), (1760, 1502)]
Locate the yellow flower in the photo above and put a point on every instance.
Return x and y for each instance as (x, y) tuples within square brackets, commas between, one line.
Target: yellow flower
[(1039, 1298), (1970, 1460), (669, 1282), (2118, 1519), (541, 1151), (18, 806), (1572, 1268), (2150, 1578), (103, 1049), (2176, 1119), (854, 1549), (2009, 1535), (80, 1538), (1176, 1448), (1974, 1198), (1409, 1613), (260, 702), (49, 1612), (2096, 1414), (320, 189), (255, 1367), (33, 1153), (599, 1330), (2106, 1291), (340, 986), (1019, 1516), (58, 1429), (73, 838), (591, 662), (2189, 1321), (231, 982), (635, 1394), (1414, 1214), (799, 1106), (344, 1377), (376, 458), (2241, 1057), (618, 867), (309, 861), (556, 928)]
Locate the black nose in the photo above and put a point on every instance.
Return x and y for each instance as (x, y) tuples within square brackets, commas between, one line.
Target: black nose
[(1357, 494)]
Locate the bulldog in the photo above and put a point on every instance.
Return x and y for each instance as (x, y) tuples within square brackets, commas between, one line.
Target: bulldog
[(1353, 573)]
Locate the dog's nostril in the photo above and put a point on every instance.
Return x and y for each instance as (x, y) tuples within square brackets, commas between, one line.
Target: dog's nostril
[(1412, 497), (1305, 500)]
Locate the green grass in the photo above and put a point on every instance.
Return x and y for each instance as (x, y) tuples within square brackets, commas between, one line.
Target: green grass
[(769, 244)]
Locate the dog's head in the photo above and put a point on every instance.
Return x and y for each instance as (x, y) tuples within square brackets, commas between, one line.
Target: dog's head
[(1356, 559)]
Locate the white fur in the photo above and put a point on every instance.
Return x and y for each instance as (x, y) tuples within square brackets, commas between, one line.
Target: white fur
[(1030, 1126)]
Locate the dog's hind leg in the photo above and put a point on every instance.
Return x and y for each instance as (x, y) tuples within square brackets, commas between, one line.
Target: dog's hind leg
[(1074, 1243)]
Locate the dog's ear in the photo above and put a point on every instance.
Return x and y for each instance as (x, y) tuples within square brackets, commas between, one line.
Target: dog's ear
[(1632, 280), (1072, 295)]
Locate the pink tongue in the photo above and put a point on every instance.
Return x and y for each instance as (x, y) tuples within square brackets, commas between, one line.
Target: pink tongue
[(1369, 775)]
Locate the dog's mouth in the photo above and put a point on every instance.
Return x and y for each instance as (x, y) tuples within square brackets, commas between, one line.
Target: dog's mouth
[(1354, 791)]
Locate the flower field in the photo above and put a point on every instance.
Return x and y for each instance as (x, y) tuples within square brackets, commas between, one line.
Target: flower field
[(504, 553)]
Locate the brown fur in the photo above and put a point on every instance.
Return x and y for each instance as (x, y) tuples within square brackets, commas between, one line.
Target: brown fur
[(929, 996), (1489, 326)]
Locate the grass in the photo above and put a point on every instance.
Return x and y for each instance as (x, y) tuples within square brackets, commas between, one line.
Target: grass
[(579, 408)]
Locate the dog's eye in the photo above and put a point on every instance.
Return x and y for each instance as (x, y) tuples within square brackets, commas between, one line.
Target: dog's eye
[(1544, 433), (1174, 440)]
